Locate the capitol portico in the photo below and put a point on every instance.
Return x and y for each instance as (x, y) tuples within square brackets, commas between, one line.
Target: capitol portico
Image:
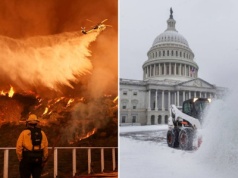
[(170, 76)]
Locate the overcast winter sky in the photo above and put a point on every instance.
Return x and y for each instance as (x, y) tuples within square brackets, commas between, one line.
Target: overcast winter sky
[(210, 27)]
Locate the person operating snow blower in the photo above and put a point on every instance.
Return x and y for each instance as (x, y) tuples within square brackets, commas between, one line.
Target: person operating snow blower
[(31, 149)]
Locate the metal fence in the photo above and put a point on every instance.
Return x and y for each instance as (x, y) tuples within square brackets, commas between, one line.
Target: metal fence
[(74, 159)]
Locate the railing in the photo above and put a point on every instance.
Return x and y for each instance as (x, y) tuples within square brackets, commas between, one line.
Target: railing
[(74, 158)]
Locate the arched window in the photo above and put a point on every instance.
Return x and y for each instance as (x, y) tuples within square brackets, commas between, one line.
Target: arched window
[(168, 53), (172, 53), (180, 54), (133, 119), (134, 104), (123, 119), (124, 104), (159, 53), (159, 119), (152, 120), (163, 53), (176, 53)]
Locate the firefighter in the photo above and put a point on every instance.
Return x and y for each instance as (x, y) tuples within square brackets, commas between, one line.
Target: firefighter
[(31, 149)]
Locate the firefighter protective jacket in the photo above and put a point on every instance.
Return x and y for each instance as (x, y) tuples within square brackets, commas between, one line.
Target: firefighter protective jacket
[(24, 143)]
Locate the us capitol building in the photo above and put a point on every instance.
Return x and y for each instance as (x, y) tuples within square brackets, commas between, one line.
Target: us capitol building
[(170, 76)]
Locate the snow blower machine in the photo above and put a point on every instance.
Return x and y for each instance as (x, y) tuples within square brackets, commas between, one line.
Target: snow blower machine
[(184, 125)]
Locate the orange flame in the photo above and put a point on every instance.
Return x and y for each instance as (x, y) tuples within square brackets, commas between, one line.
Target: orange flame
[(71, 100), (3, 93), (11, 92), (46, 110), (88, 134), (115, 99)]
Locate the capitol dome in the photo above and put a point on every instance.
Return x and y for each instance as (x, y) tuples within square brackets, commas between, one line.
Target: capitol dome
[(170, 36), (170, 57)]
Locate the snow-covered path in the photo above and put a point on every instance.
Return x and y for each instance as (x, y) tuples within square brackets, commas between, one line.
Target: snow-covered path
[(140, 158)]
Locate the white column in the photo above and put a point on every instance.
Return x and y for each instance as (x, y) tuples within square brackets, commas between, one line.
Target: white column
[(168, 99), (189, 95), (163, 100), (156, 101), (149, 108), (165, 70), (177, 98), (195, 94), (205, 94)]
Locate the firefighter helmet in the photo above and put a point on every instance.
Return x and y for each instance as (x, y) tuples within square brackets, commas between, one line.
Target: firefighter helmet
[(32, 119)]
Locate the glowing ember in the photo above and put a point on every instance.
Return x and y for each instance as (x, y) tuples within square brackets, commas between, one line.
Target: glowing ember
[(3, 93), (115, 100), (11, 92), (58, 100), (46, 110), (69, 102), (88, 134)]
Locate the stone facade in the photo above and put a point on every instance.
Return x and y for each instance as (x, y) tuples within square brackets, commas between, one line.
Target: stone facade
[(170, 76)]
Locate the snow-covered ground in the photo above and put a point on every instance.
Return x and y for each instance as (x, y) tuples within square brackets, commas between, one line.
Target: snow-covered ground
[(216, 158)]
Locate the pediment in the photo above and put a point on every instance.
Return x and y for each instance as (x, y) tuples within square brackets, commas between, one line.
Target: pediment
[(196, 83)]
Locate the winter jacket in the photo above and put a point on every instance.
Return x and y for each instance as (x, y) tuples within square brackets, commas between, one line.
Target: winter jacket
[(24, 143)]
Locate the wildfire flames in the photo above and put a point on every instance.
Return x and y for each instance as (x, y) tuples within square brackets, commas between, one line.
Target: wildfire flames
[(9, 93), (77, 114)]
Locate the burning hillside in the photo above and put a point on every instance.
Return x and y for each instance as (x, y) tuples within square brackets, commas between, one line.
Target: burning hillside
[(78, 116)]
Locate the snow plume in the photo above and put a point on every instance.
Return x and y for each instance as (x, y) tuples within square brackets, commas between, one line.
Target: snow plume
[(220, 141), (47, 61)]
